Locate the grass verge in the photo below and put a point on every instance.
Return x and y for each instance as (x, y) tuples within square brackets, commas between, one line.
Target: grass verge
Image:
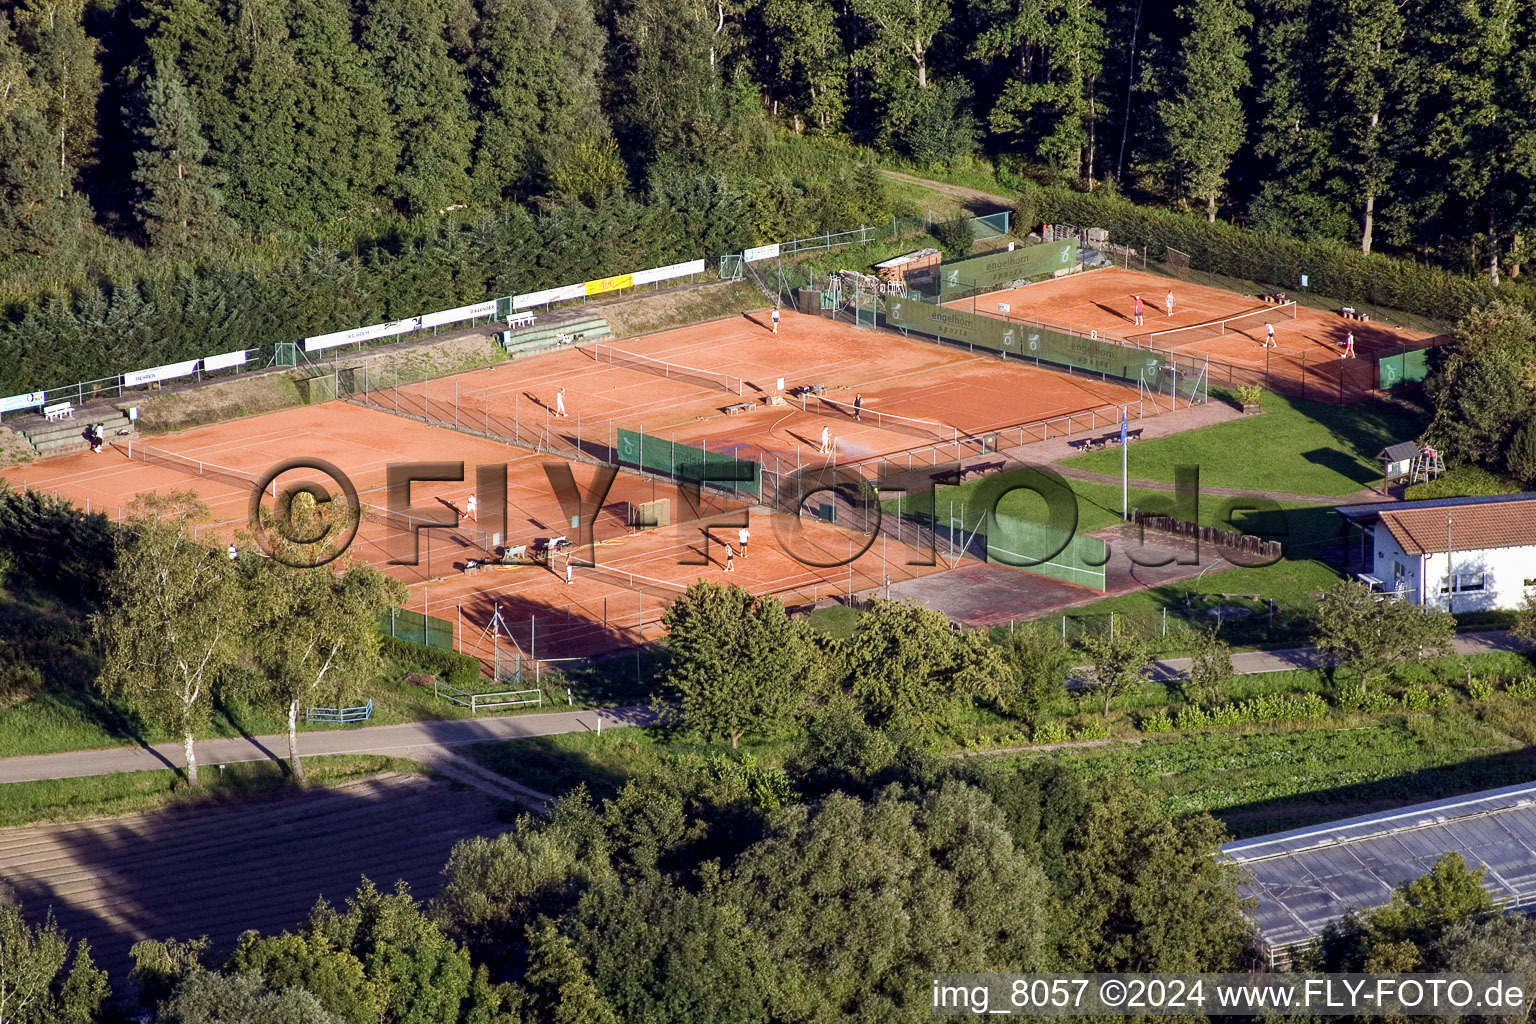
[(55, 800)]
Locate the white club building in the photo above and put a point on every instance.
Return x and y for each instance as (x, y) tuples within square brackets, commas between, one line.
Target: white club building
[(1456, 554)]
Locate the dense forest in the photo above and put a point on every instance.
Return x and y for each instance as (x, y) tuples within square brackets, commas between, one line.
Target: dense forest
[(180, 169)]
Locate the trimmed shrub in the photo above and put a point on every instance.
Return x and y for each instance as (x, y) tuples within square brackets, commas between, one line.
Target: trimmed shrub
[(1480, 690), (451, 667), (1361, 699), (1094, 730), (1525, 688), (1155, 722)]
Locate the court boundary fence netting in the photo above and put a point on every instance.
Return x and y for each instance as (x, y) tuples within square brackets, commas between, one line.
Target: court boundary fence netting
[(416, 628), (907, 425)]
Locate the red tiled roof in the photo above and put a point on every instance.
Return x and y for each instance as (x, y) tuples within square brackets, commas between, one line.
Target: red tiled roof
[(1421, 531)]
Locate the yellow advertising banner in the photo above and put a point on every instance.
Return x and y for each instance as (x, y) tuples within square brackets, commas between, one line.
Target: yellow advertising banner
[(610, 284)]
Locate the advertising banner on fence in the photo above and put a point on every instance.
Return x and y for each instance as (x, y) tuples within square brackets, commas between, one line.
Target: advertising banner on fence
[(22, 401), (159, 373), (548, 295), (359, 334), (1025, 340), (406, 326), (610, 284), (997, 269), (761, 252), (459, 315), (224, 361), (668, 273)]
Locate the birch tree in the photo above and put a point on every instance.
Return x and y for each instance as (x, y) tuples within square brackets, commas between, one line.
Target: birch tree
[(172, 618), (315, 634)]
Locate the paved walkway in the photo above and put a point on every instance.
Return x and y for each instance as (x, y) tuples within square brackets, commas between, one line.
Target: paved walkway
[(406, 740), (1255, 662)]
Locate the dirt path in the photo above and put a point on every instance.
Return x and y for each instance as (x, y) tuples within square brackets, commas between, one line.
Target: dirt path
[(958, 191)]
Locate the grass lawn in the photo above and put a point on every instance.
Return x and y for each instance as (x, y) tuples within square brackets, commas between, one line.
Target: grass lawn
[(1293, 447), (23, 803)]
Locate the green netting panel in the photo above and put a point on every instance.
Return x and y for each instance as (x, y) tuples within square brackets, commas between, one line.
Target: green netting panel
[(1047, 550), (989, 225), (685, 462), (417, 628), (1000, 269), (1022, 340), (1403, 368)]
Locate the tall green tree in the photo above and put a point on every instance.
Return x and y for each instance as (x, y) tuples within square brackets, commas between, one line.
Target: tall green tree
[(1367, 63), (1039, 662), (1050, 56), (806, 64), (66, 75), (315, 635), (179, 198), (1117, 658), (905, 664), (1368, 632), (535, 74), (737, 661), (37, 208), (1202, 114), (559, 988), (35, 987), (173, 619), (406, 45)]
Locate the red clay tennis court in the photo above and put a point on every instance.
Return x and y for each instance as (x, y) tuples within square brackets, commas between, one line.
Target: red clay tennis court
[(712, 385), (1311, 342), (613, 603)]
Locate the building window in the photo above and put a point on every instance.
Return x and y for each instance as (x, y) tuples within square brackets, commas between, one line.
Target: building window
[(1465, 583)]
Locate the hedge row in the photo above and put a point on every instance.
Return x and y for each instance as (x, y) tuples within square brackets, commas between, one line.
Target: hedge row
[(1333, 269)]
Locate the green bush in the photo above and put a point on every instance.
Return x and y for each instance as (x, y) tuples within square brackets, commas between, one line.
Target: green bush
[(1525, 688), (1461, 482), (1049, 732), (1192, 717), (1359, 698), (955, 238), (455, 669), (1480, 690), (1415, 699), (1094, 730), (1249, 394), (1155, 722), (1332, 268)]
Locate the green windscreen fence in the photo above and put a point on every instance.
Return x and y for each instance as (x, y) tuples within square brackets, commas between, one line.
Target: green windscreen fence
[(685, 462), (1000, 269), (1046, 550), (403, 624), (1022, 340), (1402, 368)]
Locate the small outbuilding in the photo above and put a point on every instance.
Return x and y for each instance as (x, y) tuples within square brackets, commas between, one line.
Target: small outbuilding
[(1397, 462)]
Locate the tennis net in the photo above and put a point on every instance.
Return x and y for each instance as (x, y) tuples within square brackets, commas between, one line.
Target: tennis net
[(631, 581), (404, 523), (1237, 324), (141, 452), (883, 420), (711, 379)]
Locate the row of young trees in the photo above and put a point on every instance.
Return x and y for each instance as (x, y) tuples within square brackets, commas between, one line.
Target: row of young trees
[(178, 622), (738, 664)]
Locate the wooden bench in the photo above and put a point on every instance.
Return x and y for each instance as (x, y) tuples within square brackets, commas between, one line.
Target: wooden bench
[(956, 476), (61, 411), (739, 407)]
